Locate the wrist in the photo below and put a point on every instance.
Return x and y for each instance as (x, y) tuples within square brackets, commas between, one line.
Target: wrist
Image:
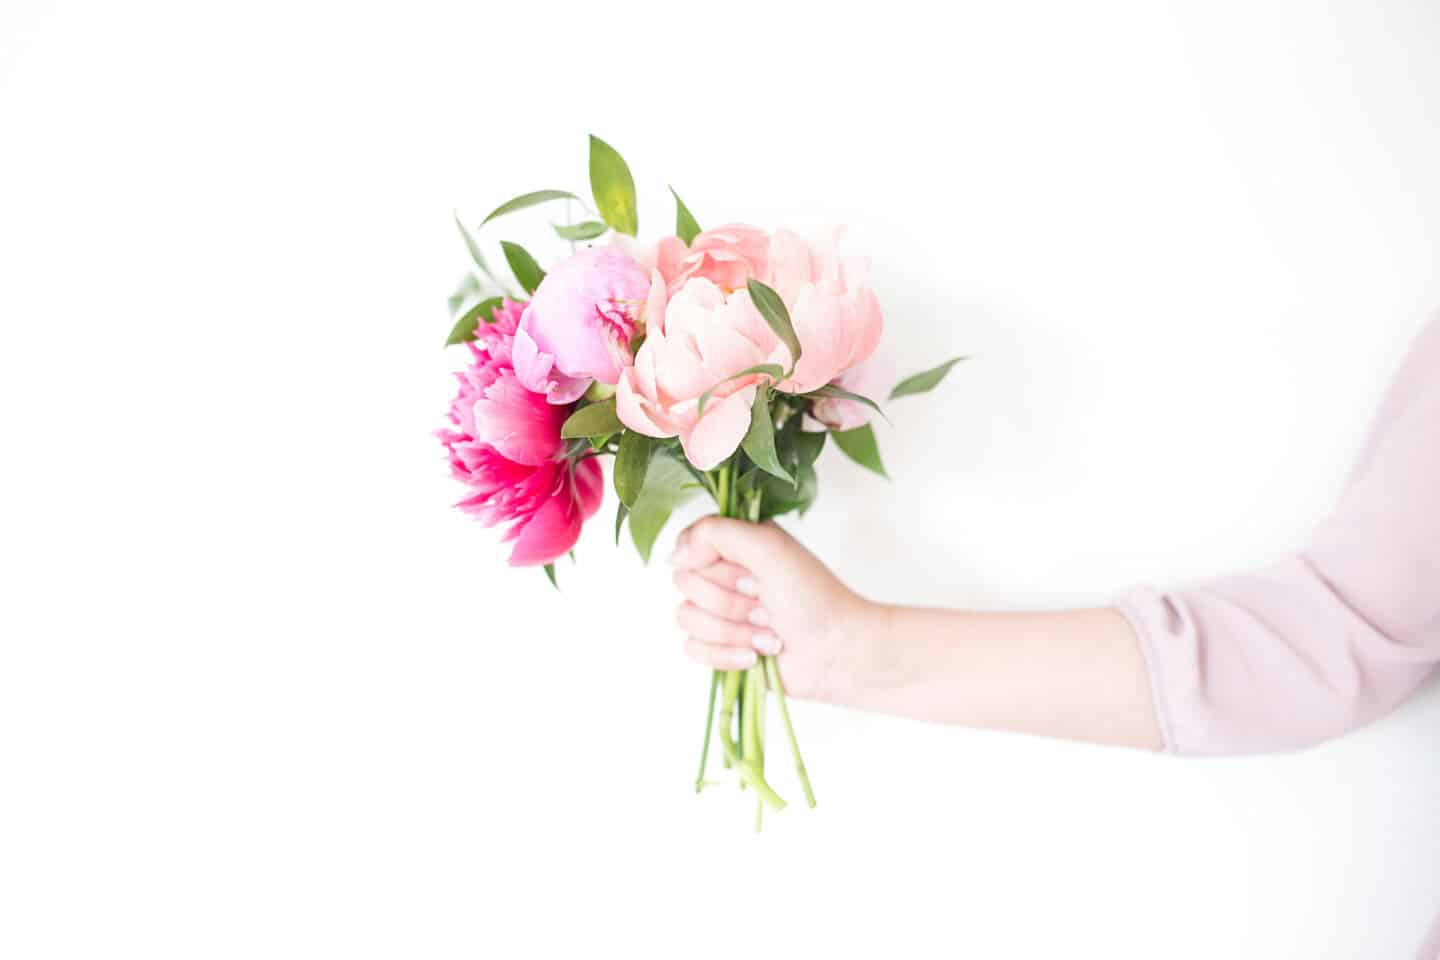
[(864, 662)]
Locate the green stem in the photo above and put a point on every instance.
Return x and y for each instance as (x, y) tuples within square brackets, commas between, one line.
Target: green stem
[(773, 672), (727, 713), (758, 736), (709, 720), (749, 742), (745, 689)]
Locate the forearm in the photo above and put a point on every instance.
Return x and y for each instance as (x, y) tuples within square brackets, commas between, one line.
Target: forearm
[(1077, 674)]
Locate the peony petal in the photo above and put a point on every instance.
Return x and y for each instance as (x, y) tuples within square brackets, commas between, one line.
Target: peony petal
[(739, 314), (531, 366), (548, 534), (635, 410), (724, 351), (589, 487), (519, 423), (566, 390), (536, 371), (792, 265), (668, 255), (825, 324), (652, 314), (870, 325), (719, 431)]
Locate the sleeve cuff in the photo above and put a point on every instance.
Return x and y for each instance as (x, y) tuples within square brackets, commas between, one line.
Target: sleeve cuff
[(1140, 607)]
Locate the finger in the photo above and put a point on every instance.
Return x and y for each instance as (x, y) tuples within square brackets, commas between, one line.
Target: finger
[(708, 628), (720, 658), (711, 539), (731, 576), (713, 598)]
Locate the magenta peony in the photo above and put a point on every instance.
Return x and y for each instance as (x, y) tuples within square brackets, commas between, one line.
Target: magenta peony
[(578, 326), (506, 447)]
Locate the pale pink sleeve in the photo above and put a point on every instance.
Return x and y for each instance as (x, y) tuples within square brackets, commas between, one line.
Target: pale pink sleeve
[(1331, 637)]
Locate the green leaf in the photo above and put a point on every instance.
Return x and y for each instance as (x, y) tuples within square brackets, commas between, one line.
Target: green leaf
[(771, 370), (924, 382), (476, 255), (759, 442), (473, 247), (632, 461), (620, 513), (685, 226), (859, 445), (780, 497), (592, 420), (667, 486), (772, 308), (527, 200), (469, 286), (588, 230), (550, 575), (613, 187), (807, 445), (831, 390), (470, 320), (526, 270)]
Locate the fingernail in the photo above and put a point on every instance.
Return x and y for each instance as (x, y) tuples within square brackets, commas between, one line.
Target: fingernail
[(678, 557), (748, 660), (766, 643), (748, 587), (760, 617)]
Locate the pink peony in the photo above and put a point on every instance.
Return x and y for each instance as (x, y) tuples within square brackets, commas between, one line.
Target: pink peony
[(726, 256), (838, 413), (506, 446), (579, 324), (704, 332), (693, 342), (835, 313)]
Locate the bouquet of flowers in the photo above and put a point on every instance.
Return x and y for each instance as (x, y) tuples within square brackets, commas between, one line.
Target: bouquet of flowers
[(707, 362)]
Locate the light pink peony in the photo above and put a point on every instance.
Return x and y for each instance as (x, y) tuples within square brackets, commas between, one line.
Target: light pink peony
[(726, 256), (704, 332), (693, 342), (506, 446), (838, 413), (579, 324), (835, 313)]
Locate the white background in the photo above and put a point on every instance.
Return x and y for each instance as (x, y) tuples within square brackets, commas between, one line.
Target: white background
[(264, 694)]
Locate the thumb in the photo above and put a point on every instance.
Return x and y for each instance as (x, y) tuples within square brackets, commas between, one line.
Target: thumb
[(754, 546)]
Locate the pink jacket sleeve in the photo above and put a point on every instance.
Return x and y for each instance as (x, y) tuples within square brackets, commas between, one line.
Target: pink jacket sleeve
[(1327, 639)]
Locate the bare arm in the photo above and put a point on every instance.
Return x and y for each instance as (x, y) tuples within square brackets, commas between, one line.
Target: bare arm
[(1316, 645), (1076, 674)]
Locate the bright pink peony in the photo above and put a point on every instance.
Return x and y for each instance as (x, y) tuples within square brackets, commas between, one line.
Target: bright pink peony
[(693, 342), (579, 324), (506, 446)]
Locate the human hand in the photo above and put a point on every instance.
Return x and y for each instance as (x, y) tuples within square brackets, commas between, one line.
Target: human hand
[(753, 589)]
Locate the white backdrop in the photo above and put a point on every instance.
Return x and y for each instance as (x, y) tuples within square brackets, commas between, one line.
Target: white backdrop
[(264, 694)]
